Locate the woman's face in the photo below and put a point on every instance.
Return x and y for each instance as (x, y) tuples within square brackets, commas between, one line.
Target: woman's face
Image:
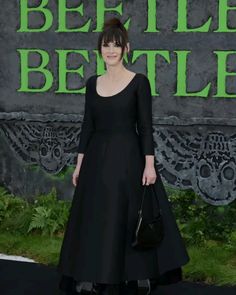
[(111, 53)]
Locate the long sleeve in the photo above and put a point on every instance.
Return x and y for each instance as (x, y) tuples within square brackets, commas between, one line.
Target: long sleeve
[(87, 126), (144, 116)]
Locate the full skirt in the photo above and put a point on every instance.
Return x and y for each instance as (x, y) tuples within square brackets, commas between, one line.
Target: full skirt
[(103, 215)]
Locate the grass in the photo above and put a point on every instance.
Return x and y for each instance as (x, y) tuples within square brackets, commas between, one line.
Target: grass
[(43, 249), (213, 263)]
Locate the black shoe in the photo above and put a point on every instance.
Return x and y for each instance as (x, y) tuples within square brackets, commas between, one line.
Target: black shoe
[(68, 285), (129, 288), (96, 289), (106, 289)]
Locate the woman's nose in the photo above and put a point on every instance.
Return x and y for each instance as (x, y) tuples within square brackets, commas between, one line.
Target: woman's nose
[(111, 48)]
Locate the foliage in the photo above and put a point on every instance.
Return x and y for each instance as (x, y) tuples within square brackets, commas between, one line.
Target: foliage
[(199, 221), (46, 215), (210, 232), (14, 211), (49, 215)]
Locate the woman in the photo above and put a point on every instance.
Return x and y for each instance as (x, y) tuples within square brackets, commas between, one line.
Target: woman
[(114, 163)]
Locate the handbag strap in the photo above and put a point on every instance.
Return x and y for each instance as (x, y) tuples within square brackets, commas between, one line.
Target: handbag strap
[(144, 191)]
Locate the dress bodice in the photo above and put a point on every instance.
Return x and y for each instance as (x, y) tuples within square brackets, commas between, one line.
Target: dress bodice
[(131, 108)]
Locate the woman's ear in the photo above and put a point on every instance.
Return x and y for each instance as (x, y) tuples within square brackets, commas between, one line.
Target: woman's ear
[(127, 47)]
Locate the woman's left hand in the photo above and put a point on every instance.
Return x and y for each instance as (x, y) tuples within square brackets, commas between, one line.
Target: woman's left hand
[(149, 175)]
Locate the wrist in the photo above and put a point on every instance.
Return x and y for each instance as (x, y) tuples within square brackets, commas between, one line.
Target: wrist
[(149, 160), (79, 161)]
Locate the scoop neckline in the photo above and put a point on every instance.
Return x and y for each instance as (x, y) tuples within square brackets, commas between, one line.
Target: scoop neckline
[(110, 96)]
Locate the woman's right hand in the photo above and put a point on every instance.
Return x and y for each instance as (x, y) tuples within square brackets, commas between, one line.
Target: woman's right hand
[(75, 175)]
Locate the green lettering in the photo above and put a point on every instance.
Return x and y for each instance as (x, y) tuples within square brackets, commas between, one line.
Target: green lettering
[(181, 77), (25, 70), (222, 73), (223, 16), (62, 69), (62, 12), (25, 10), (182, 20)]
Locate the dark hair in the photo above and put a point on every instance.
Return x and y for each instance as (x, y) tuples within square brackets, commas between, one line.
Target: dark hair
[(113, 30)]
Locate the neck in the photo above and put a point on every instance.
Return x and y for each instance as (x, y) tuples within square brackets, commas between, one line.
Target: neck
[(114, 72)]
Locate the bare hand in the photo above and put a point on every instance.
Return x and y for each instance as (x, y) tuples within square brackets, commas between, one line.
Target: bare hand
[(149, 175), (75, 175)]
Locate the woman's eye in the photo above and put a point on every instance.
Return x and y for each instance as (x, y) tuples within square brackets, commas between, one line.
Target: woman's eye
[(115, 44)]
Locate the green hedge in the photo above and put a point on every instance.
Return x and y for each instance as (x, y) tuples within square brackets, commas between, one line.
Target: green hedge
[(46, 215), (200, 221)]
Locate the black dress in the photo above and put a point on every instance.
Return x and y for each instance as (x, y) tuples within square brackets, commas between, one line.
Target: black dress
[(103, 215)]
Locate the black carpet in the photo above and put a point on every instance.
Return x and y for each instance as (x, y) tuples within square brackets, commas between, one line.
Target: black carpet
[(18, 278)]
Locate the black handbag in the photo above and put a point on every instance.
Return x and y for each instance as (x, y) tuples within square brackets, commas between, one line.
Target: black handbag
[(149, 232)]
